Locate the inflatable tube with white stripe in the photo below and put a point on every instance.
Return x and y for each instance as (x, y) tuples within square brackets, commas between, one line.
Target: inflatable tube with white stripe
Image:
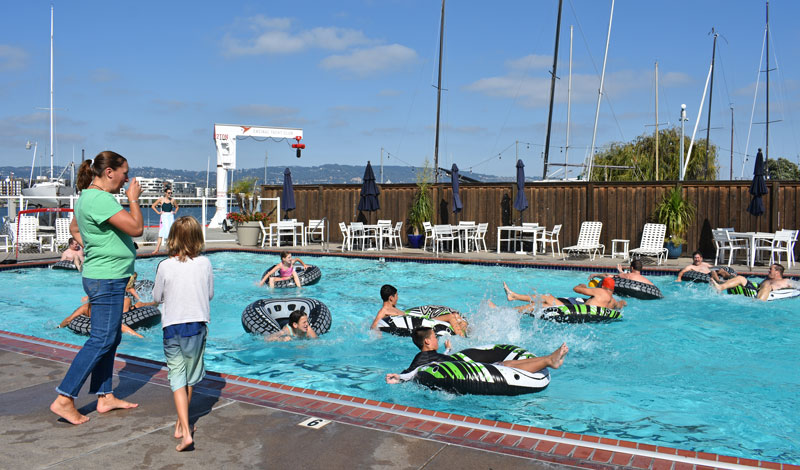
[(267, 316), (307, 277), (143, 317)]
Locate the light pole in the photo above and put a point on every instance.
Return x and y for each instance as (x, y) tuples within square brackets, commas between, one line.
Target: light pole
[(683, 120), (28, 146)]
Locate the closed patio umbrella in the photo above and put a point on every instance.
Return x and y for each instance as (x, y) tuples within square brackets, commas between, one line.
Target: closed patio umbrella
[(369, 192), (521, 201), (287, 196), (758, 187), (457, 206)]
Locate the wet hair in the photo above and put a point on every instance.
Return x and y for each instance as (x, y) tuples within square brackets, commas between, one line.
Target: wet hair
[(779, 267), (295, 317), (284, 254), (131, 281), (387, 291), (71, 239), (90, 169), (697, 253), (636, 265), (185, 238), (420, 334)]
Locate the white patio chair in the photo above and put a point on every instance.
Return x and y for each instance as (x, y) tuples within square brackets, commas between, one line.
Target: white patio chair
[(588, 240), (551, 237), (724, 242), (346, 240), (384, 231), (478, 237), (315, 229), (443, 234), (396, 236), (429, 235), (286, 228), (793, 236), (266, 235), (358, 234), (62, 232), (652, 243), (779, 244)]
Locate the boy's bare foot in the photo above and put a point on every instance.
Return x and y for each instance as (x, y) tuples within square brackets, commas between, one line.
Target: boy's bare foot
[(109, 402), (491, 304), (714, 284), (557, 356), (509, 293), (178, 434), (186, 444), (65, 408)]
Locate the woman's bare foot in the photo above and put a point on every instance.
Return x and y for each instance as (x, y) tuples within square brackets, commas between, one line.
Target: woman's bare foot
[(65, 408), (557, 356), (178, 434), (186, 444), (510, 295), (109, 402)]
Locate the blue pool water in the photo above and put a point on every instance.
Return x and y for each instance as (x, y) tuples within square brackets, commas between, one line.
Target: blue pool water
[(697, 370)]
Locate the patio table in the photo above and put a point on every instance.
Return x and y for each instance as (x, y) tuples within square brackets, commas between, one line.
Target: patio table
[(752, 238)]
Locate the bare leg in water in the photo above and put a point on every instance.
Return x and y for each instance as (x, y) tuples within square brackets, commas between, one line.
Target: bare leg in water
[(533, 364)]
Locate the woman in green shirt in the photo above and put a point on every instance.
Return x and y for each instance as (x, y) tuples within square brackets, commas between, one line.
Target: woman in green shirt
[(104, 229)]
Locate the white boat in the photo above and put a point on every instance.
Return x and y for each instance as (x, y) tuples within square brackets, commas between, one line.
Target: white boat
[(49, 193)]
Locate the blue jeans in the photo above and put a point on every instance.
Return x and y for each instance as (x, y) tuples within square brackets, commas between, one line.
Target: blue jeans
[(97, 355)]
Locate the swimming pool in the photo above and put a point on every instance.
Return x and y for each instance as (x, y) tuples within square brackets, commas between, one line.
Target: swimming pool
[(695, 370)]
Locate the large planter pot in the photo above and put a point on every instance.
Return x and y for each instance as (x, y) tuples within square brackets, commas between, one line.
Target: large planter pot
[(673, 250), (415, 241), (247, 233)]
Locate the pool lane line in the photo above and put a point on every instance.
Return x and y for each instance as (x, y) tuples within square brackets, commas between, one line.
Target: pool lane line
[(224, 378)]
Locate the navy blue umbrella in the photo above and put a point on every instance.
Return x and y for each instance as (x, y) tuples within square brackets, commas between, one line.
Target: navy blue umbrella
[(521, 201), (456, 197), (287, 198), (369, 192), (758, 187)]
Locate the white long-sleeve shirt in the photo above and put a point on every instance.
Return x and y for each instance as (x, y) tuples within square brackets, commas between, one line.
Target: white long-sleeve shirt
[(184, 289)]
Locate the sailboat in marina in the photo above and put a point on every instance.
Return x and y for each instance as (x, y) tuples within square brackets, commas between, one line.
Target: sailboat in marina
[(51, 193)]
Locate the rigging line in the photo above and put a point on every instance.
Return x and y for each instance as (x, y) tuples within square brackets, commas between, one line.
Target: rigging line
[(784, 109), (499, 155), (753, 110), (736, 136)]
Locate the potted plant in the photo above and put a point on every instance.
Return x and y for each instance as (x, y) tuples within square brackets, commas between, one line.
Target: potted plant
[(246, 193), (677, 214), (421, 207)]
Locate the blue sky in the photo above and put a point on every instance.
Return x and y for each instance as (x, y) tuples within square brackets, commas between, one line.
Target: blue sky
[(149, 79)]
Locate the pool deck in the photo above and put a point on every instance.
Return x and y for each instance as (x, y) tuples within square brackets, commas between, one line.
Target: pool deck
[(247, 423)]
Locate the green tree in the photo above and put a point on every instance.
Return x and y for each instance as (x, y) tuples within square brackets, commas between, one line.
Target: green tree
[(782, 169), (639, 155)]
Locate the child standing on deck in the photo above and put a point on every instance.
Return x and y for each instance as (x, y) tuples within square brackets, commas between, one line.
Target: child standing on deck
[(184, 285)]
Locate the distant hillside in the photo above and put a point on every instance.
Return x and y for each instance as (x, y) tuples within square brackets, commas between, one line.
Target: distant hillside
[(325, 174)]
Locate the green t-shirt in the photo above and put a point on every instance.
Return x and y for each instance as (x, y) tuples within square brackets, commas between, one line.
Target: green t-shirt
[(109, 251)]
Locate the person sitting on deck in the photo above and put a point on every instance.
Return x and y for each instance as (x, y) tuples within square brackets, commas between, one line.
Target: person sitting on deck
[(73, 253), (774, 281), (635, 273), (285, 270), (598, 296), (389, 296), (427, 342), (297, 328)]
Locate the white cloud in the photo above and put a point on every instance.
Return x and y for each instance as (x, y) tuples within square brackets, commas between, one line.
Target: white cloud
[(368, 62), (103, 75), (532, 61), (12, 58), (275, 36), (674, 79)]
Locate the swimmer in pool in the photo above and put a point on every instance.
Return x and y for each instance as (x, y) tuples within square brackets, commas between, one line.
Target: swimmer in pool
[(86, 310), (285, 270), (774, 281), (297, 328), (635, 273), (427, 342), (389, 296), (598, 296)]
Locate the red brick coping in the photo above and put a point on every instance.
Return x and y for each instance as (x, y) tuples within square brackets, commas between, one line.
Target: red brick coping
[(583, 451)]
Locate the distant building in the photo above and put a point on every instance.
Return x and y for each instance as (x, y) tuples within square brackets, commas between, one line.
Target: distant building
[(11, 186), (151, 187), (205, 192), (183, 188)]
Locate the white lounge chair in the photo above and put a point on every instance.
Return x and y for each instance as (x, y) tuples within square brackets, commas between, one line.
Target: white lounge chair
[(652, 243), (588, 240), (62, 232)]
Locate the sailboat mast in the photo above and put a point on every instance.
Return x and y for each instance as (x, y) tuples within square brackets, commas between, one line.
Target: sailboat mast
[(438, 102), (657, 121), (552, 93), (710, 95), (51, 92), (600, 95), (569, 106)]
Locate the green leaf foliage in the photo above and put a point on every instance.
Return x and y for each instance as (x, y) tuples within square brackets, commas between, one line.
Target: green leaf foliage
[(676, 213), (782, 169), (421, 205), (640, 156)]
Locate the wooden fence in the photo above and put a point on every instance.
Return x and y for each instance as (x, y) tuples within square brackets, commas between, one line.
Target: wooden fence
[(623, 208)]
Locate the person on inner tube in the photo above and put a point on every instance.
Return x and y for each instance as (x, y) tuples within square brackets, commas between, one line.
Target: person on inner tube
[(389, 296), (297, 328), (73, 253), (699, 266), (635, 273), (598, 296), (285, 270), (427, 342), (86, 310), (774, 281)]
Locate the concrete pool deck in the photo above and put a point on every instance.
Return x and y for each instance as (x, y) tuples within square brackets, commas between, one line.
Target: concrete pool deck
[(246, 423)]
